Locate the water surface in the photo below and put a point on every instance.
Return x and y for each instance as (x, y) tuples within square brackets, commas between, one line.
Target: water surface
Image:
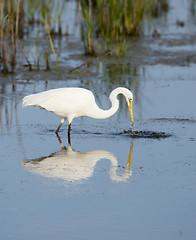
[(108, 184)]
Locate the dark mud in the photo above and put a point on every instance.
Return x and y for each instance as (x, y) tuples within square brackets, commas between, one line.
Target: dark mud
[(175, 120), (146, 134)]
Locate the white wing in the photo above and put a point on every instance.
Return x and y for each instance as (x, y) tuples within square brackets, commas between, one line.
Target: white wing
[(62, 101)]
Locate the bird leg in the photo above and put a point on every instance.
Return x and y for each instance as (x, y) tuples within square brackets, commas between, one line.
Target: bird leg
[(62, 121), (69, 129)]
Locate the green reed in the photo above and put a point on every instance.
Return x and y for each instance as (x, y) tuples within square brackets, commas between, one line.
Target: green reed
[(112, 22), (106, 26), (15, 16), (87, 36), (11, 20)]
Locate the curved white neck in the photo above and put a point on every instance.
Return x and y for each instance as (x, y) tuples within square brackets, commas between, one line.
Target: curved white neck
[(101, 114), (96, 112)]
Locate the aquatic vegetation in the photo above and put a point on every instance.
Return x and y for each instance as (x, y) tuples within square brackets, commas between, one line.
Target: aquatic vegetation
[(87, 14), (15, 19), (106, 26), (11, 21), (112, 22)]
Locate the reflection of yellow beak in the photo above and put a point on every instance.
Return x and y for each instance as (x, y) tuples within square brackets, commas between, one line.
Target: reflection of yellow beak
[(130, 157), (131, 110)]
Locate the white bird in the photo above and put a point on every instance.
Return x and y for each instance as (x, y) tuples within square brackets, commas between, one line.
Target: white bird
[(70, 103)]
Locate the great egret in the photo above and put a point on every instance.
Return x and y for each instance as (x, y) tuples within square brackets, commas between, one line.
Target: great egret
[(71, 103)]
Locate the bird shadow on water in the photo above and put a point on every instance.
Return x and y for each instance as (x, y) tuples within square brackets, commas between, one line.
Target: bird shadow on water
[(73, 166)]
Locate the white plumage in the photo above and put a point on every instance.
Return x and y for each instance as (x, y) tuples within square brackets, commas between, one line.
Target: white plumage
[(71, 103)]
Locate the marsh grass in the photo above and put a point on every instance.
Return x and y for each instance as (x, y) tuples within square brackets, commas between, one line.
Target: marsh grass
[(113, 22), (15, 18), (88, 28), (106, 26), (9, 25)]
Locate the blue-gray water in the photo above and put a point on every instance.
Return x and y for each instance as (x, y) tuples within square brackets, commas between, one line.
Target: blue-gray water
[(108, 185)]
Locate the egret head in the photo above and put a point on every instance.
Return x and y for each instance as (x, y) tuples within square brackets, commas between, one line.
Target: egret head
[(128, 96)]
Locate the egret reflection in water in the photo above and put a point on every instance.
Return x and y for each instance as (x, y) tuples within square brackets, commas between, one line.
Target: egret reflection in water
[(73, 166)]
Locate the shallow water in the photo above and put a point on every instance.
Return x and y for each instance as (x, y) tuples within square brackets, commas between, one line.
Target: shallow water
[(108, 184)]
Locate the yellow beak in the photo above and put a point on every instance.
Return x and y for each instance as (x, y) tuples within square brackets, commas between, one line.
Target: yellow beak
[(131, 110)]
